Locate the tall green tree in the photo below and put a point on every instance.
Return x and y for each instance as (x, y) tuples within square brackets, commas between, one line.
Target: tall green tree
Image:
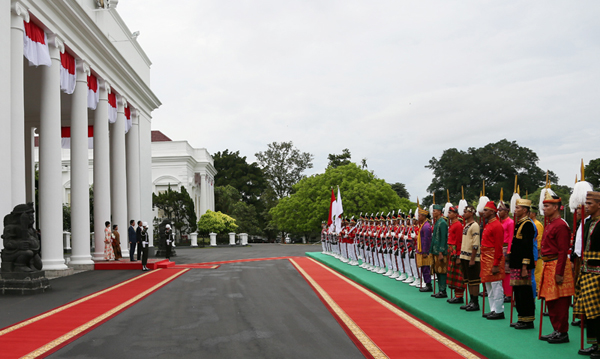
[(283, 165), (592, 173), (234, 170), (400, 188), (495, 163), (229, 201), (339, 160), (304, 210)]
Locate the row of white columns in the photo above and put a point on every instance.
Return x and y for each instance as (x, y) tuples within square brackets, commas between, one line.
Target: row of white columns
[(116, 168)]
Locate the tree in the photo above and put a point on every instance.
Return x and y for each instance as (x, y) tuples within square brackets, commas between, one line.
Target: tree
[(66, 217), (216, 222), (361, 191), (179, 207), (283, 165), (592, 173), (234, 170), (229, 201), (496, 163), (339, 160), (400, 188)]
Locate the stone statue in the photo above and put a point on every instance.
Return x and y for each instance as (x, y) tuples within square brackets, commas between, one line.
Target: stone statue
[(22, 247)]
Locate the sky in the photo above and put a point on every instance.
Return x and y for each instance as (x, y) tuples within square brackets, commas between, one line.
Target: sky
[(396, 82)]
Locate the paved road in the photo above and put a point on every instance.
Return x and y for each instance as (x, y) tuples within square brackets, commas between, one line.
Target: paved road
[(244, 310)]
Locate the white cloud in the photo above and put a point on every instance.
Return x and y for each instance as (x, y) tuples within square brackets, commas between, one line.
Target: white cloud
[(397, 82)]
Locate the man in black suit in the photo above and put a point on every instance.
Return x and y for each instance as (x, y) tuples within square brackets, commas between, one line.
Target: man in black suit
[(132, 239)]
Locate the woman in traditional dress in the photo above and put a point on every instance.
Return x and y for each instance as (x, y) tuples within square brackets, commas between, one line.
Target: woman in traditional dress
[(116, 242), (108, 249)]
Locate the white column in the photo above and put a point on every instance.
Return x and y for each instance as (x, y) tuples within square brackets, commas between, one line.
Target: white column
[(29, 165), (232, 239), (17, 104), (203, 194), (50, 188), (213, 239), (194, 239), (118, 175), (80, 203), (5, 104), (101, 169), (133, 170)]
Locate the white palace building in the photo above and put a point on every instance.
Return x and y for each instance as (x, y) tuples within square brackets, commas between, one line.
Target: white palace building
[(72, 69)]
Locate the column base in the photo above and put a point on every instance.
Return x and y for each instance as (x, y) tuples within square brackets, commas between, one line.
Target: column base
[(80, 260), (97, 256), (59, 273), (54, 265), (81, 266)]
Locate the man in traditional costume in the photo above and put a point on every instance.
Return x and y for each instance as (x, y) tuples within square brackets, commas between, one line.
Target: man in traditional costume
[(492, 261), (521, 263), (587, 299), (556, 284), (509, 227), (539, 264), (423, 257), (439, 250), (455, 278), (470, 256)]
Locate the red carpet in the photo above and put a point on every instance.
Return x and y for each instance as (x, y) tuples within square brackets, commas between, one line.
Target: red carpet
[(378, 328), (249, 260), (48, 332), (125, 264), (200, 266)]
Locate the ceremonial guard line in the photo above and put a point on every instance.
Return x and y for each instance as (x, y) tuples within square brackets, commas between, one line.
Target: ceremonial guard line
[(517, 259)]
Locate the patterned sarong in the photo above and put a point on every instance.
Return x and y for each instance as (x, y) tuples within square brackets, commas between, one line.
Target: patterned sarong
[(516, 279), (440, 266), (549, 290), (455, 277), (506, 264), (487, 262), (587, 295), (422, 262)]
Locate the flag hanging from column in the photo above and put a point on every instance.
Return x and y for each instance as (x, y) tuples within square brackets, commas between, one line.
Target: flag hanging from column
[(93, 96), (35, 45), (331, 209), (338, 212), (67, 73), (65, 134), (128, 122), (112, 107)]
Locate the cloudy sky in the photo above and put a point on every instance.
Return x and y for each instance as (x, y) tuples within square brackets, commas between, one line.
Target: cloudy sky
[(396, 82)]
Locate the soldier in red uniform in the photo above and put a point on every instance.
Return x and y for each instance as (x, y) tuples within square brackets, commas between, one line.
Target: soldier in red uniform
[(492, 261), (455, 278)]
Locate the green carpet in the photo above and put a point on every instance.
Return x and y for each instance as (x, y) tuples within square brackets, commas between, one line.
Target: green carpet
[(493, 339)]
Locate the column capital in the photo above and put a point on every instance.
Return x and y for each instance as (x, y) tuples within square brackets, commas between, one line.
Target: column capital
[(19, 9), (134, 117), (121, 103), (83, 69), (105, 85), (55, 41)]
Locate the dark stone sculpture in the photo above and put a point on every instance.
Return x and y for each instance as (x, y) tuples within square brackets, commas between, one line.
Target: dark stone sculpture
[(21, 257)]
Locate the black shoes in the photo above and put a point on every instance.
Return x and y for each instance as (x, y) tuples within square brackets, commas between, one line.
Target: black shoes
[(456, 300), (473, 307), (506, 299), (512, 325), (485, 315), (588, 351), (559, 338), (551, 335), (576, 323), (440, 294), (463, 307), (523, 325), (426, 288), (495, 316)]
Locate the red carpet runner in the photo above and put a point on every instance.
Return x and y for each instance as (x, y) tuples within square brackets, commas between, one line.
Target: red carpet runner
[(378, 328), (48, 332)]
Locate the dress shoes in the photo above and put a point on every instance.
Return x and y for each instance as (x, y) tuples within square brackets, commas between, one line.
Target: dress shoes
[(576, 323), (441, 294), (456, 300), (589, 351), (523, 325), (506, 299), (512, 325), (548, 336), (495, 316), (426, 288), (595, 355), (464, 306), (485, 315), (482, 294), (473, 307), (559, 338)]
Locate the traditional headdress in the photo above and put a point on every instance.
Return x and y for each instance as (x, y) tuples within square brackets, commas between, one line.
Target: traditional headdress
[(491, 206), (523, 203)]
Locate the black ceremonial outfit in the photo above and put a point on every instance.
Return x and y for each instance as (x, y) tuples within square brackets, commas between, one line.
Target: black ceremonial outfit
[(521, 253)]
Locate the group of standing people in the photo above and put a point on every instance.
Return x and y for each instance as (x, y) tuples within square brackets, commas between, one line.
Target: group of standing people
[(515, 259), (137, 237)]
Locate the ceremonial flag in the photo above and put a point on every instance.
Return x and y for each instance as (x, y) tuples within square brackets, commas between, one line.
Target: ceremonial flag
[(67, 73), (35, 45), (339, 209), (112, 107), (93, 96), (65, 133), (128, 122), (331, 203)]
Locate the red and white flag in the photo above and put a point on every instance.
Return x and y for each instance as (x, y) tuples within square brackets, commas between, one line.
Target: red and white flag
[(66, 137), (128, 122), (67, 73), (93, 95), (339, 209), (35, 45), (330, 221), (112, 108)]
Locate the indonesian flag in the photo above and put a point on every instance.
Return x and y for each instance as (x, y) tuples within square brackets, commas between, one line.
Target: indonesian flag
[(35, 45), (93, 95), (66, 137), (330, 219), (338, 212), (128, 122), (112, 108), (67, 73)]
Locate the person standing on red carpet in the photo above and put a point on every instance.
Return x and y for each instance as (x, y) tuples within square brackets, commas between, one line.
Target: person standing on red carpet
[(144, 243), (108, 250), (455, 278), (470, 256), (492, 261), (509, 227), (556, 285), (116, 242)]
